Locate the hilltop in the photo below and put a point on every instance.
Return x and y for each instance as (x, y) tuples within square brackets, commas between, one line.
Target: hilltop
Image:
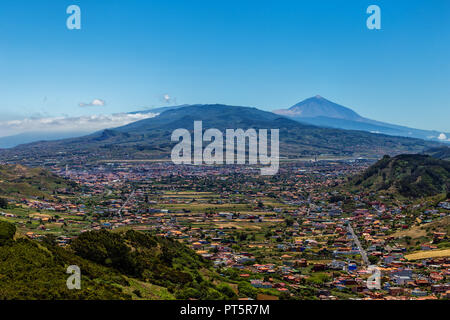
[(21, 181), (408, 175)]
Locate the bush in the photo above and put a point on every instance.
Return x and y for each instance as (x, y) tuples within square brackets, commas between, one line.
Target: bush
[(226, 290), (3, 203), (246, 289), (373, 259), (137, 293), (7, 231), (161, 261)]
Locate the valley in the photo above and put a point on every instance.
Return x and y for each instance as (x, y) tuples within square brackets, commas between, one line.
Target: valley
[(279, 237)]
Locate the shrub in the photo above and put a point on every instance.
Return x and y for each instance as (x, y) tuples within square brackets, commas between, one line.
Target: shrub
[(7, 231), (226, 290), (3, 203)]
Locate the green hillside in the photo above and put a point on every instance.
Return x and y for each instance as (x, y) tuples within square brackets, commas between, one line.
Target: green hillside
[(20, 181), (129, 265), (411, 176)]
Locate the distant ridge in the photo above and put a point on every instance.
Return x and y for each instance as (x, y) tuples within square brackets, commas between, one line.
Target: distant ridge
[(159, 109), (150, 138), (442, 153)]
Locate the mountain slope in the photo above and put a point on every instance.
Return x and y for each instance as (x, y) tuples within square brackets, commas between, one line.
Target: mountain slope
[(322, 112), (442, 153), (20, 181), (113, 266), (410, 175), (150, 138), (32, 271)]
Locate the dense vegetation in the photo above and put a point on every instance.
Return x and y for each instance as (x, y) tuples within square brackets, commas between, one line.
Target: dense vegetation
[(32, 270), (411, 176), (7, 232), (157, 260), (110, 263), (3, 203)]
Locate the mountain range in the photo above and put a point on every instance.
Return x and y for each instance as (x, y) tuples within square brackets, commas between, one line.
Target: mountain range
[(150, 138), (316, 111), (324, 113)]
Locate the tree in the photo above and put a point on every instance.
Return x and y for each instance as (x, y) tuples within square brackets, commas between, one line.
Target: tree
[(289, 221), (247, 290), (7, 231), (137, 293), (3, 203), (226, 290), (373, 259), (50, 239)]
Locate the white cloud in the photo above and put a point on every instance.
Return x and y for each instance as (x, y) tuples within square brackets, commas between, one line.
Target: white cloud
[(93, 103), (168, 99), (70, 124)]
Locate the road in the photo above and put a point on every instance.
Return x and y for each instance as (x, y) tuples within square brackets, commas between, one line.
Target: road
[(125, 203), (358, 244)]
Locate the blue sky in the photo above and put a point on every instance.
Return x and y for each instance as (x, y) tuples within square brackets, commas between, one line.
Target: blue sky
[(267, 54)]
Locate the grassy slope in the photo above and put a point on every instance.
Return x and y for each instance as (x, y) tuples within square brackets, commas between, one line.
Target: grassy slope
[(418, 231), (129, 265), (20, 181), (30, 270)]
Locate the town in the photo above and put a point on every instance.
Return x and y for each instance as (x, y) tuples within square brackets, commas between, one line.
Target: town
[(294, 235)]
